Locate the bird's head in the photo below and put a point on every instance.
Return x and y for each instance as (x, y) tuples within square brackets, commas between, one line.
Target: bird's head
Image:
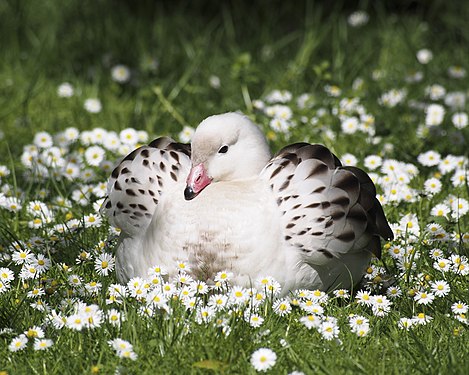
[(225, 147)]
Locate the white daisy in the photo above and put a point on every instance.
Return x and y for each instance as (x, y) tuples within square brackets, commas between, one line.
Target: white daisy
[(440, 288), (263, 359), (42, 344), (434, 115), (424, 56), (120, 73), (65, 90), (459, 120), (93, 105)]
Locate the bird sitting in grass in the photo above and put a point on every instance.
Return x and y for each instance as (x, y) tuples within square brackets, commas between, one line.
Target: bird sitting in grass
[(224, 203)]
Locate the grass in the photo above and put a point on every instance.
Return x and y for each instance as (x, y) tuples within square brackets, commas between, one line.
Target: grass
[(172, 51)]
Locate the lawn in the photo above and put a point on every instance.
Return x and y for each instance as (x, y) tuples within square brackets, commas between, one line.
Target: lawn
[(382, 84)]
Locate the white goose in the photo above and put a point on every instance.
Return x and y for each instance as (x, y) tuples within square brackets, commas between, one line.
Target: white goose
[(300, 216)]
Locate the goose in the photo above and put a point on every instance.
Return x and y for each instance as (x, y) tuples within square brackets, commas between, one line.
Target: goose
[(224, 203)]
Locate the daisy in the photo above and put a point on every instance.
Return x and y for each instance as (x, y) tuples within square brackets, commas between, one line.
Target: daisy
[(456, 99), (436, 253), (440, 209), (76, 322), (380, 305), (311, 321), (397, 251), (311, 307), (130, 354), (118, 290), (459, 120), (459, 207), (421, 319), (429, 158), (257, 297), (254, 320), (184, 278), (94, 155), (435, 92), (199, 287), (115, 317), (358, 18), (318, 296), (187, 291), (329, 330), (280, 125), (12, 204), (186, 134), (462, 268), (34, 332), (459, 308), (205, 314), (263, 359), (349, 160), (440, 287), (182, 265), (4, 287), (434, 115), (92, 220), (456, 71), (120, 73), (364, 298), (42, 344), (214, 82), (239, 295), (459, 178), (432, 186), (405, 323), (36, 293), (65, 90), (424, 56), (43, 140), (6, 275), (168, 289), (372, 162), (93, 287), (56, 319), (424, 298), (281, 112), (119, 344), (392, 98), (104, 264), (442, 264), (112, 142), (350, 125), (394, 292), (128, 136), (218, 301), (282, 307), (93, 105), (28, 272), (92, 314), (18, 343), (359, 325), (223, 276)]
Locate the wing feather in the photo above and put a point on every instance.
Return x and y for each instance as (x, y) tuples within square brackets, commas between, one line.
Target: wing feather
[(328, 210), (138, 182)]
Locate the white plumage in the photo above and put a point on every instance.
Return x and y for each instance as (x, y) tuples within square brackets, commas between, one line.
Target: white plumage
[(224, 204)]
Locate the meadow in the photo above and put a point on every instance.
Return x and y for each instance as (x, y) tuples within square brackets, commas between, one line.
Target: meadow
[(382, 84)]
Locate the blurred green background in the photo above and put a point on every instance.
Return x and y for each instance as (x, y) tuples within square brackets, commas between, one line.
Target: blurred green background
[(176, 46)]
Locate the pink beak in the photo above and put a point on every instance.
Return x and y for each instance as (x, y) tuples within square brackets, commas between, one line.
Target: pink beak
[(196, 181)]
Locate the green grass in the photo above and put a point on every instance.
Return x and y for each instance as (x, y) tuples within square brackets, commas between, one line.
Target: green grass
[(299, 47)]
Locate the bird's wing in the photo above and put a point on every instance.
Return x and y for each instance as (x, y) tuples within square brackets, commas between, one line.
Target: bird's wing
[(328, 210), (138, 182)]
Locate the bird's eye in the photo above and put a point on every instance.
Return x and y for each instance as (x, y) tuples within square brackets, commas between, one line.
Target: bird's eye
[(223, 149)]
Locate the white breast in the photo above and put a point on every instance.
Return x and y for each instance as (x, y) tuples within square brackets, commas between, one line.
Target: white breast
[(230, 226)]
